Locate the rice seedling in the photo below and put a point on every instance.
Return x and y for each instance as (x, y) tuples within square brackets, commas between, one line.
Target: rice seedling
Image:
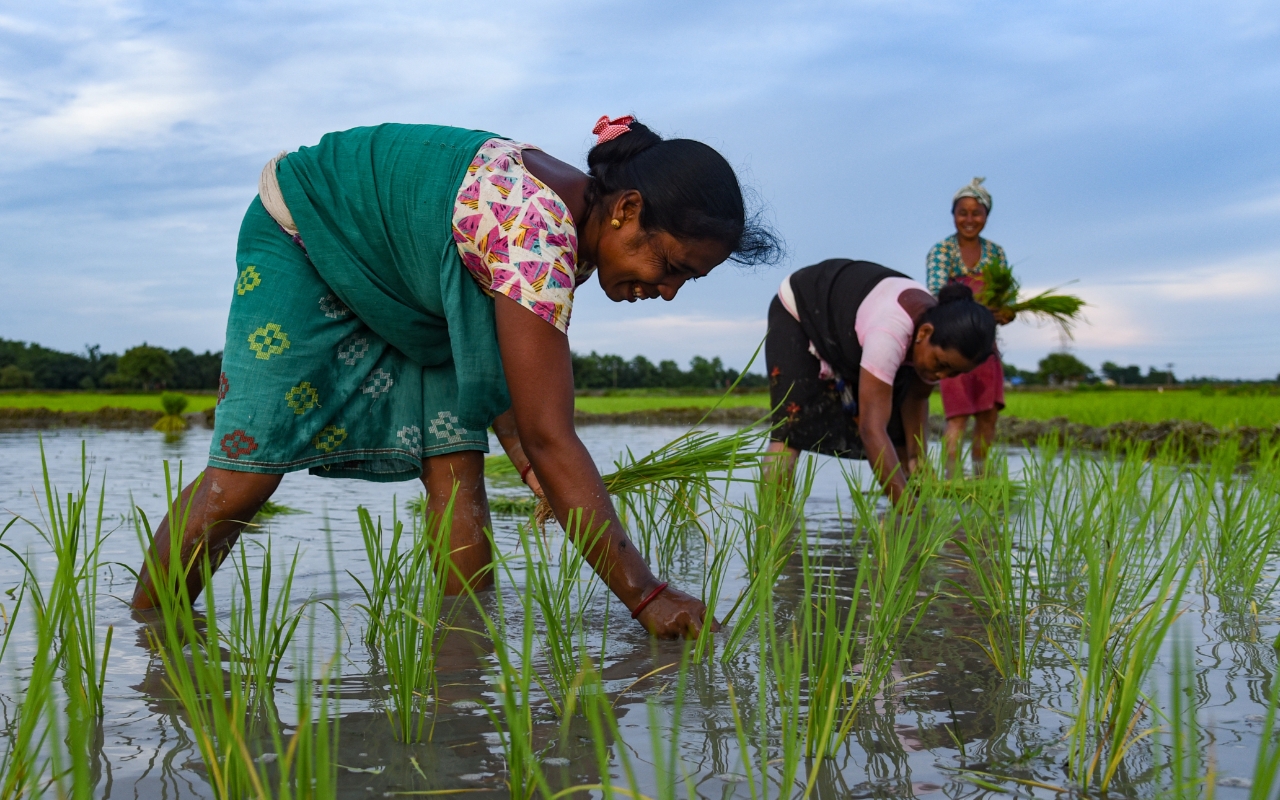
[(56, 731), (75, 538), (514, 679), (405, 606), (681, 461), (719, 532), (787, 666), (10, 614), (656, 521), (1120, 639), (1266, 771), (1001, 290), (216, 708), (1000, 575), (664, 740), (505, 505), (561, 595), (901, 544), (1186, 773), (82, 718), (259, 631), (770, 537), (755, 781), (1241, 528), (226, 704), (830, 639), (598, 711), (172, 421), (25, 767)]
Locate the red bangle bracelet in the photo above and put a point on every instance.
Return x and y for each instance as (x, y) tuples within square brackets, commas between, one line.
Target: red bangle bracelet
[(648, 599), (524, 472)]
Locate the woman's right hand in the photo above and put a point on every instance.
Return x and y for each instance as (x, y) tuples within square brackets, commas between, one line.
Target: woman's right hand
[(531, 480), (674, 614)]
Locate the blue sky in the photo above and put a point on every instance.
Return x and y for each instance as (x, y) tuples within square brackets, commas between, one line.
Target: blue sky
[(1133, 147)]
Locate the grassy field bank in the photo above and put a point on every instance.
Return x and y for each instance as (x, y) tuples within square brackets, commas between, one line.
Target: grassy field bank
[(1106, 408), (613, 404), (1088, 408), (92, 401), (618, 404)]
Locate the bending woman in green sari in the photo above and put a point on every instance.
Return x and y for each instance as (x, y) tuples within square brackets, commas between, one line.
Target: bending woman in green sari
[(403, 288)]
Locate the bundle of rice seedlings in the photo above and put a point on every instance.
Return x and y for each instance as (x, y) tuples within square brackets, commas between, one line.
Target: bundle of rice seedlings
[(173, 404), (1001, 289), (694, 454)]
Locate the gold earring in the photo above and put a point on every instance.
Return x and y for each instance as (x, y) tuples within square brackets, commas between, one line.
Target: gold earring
[(615, 223)]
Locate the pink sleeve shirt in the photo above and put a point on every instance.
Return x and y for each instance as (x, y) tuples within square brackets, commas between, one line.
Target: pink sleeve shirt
[(885, 328)]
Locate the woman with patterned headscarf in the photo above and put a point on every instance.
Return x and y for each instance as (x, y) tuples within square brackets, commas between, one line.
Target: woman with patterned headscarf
[(962, 257)]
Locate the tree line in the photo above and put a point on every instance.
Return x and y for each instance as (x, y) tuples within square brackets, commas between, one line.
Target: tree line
[(596, 371), (147, 367), (31, 366), (151, 368), (1057, 369)]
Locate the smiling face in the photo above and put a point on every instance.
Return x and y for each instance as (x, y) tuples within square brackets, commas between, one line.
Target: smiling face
[(970, 217), (933, 363), (634, 264)]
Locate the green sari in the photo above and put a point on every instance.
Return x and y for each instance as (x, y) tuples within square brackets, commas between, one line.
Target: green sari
[(361, 346)]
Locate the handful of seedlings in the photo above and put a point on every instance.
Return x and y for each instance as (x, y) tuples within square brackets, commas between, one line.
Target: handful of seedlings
[(1000, 292), (692, 454)]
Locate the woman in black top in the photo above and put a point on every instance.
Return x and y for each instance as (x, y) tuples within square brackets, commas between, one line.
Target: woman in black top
[(854, 350)]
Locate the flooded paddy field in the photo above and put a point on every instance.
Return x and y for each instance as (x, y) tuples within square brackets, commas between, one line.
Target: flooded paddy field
[(1091, 625)]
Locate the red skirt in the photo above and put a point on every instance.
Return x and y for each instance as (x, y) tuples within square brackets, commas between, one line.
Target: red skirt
[(977, 391), (974, 392)]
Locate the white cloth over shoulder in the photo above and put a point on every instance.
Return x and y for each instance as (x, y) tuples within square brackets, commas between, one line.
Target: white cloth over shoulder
[(272, 198)]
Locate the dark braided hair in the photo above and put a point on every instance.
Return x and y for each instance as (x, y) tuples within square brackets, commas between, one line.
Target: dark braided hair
[(962, 323), (689, 191)]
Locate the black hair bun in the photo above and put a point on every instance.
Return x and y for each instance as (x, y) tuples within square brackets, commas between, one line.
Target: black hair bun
[(954, 292), (690, 191)]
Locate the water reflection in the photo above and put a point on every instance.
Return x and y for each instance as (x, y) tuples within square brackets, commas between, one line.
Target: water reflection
[(909, 741)]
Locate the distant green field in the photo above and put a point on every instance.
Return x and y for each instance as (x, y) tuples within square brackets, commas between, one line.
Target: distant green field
[(91, 401), (88, 401), (637, 402), (1090, 408), (1105, 408)]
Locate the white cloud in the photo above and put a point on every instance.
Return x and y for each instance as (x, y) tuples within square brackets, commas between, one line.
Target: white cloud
[(1248, 277), (126, 93)]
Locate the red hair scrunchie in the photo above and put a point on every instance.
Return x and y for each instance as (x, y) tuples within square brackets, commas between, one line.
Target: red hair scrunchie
[(606, 130)]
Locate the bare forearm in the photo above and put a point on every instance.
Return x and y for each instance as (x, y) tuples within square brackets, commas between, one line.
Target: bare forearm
[(915, 418), (504, 427), (599, 532), (884, 461)]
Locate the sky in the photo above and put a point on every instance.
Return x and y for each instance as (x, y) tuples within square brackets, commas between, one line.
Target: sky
[(1131, 147)]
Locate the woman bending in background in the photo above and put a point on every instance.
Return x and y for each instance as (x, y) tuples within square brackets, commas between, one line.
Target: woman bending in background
[(979, 393), (853, 351)]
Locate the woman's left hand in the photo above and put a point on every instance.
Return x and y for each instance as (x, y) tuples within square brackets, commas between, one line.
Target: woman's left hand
[(674, 614), (1004, 315)]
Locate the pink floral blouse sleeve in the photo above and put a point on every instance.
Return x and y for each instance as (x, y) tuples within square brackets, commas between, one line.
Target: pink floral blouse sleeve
[(515, 235)]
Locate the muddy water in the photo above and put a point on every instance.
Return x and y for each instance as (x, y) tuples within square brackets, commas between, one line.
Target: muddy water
[(958, 713)]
